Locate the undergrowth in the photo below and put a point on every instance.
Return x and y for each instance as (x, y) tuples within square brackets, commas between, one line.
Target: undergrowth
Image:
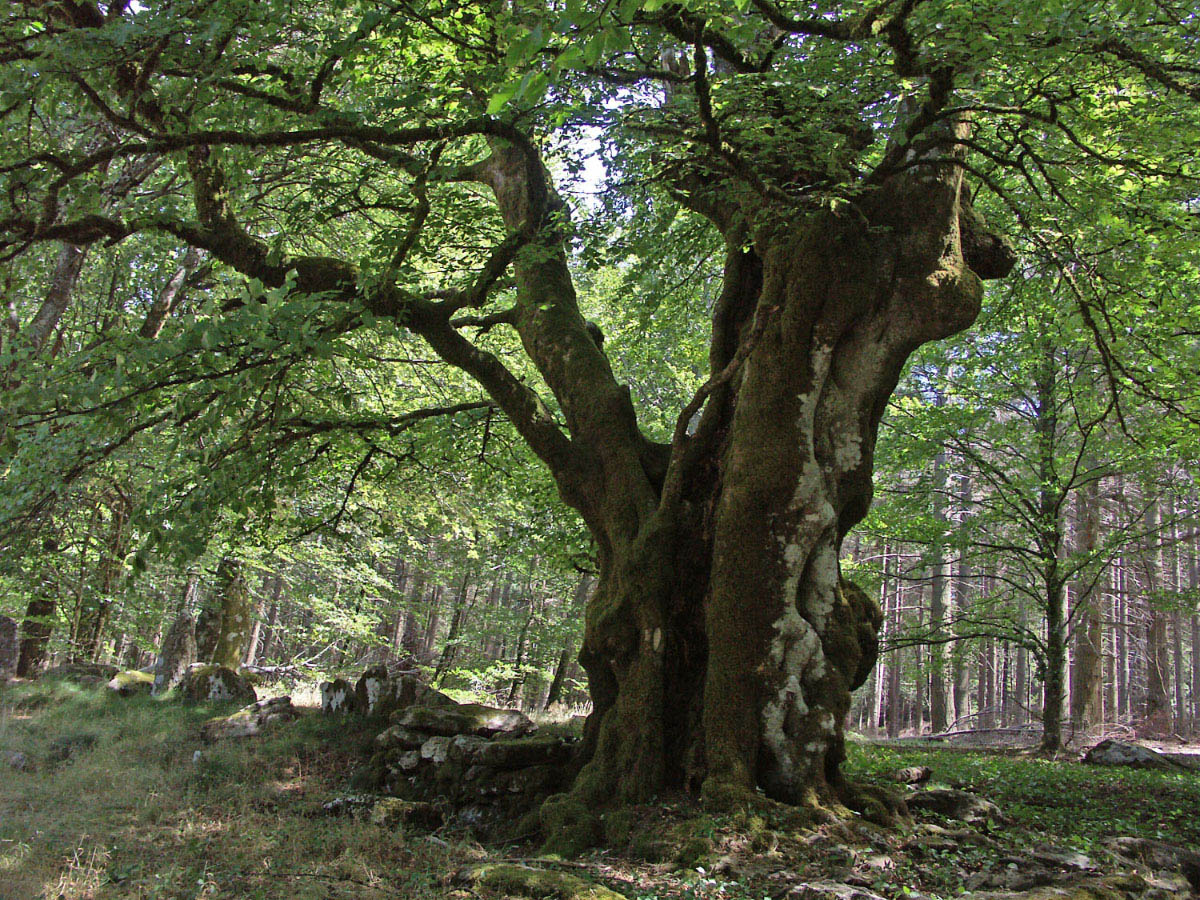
[(121, 799), (118, 805)]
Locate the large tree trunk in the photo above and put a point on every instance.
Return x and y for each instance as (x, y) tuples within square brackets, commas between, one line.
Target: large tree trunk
[(723, 642), (36, 629), (223, 626)]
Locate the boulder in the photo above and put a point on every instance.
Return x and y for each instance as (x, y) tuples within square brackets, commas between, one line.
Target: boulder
[(509, 880), (381, 694), (352, 805), (400, 737), (126, 684), (954, 804), (205, 683), (373, 689), (1085, 887), (465, 718), (250, 720), (1113, 752), (338, 697)]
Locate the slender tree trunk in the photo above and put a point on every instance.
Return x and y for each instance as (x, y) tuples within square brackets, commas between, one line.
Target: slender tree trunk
[(432, 623), (938, 721), (400, 577), (1158, 673), (413, 639), (450, 648), (579, 600), (1050, 547), (1086, 700), (170, 295)]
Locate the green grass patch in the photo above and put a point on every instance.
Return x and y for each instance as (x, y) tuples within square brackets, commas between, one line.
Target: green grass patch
[(117, 805), (1060, 802)]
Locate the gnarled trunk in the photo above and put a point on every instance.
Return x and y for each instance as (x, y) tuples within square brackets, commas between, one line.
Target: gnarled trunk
[(723, 641)]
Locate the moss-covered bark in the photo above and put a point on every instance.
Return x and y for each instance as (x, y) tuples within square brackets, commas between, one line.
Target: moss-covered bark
[(225, 620), (723, 641)]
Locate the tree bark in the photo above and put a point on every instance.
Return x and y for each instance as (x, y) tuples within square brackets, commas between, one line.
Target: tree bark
[(1086, 699), (1157, 714), (223, 626)]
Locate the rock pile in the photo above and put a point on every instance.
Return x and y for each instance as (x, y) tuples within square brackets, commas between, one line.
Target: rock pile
[(483, 766)]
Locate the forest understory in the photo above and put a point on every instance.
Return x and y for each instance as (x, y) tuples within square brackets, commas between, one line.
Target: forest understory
[(119, 797)]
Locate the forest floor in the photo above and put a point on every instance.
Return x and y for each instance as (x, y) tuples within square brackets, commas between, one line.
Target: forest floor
[(106, 797)]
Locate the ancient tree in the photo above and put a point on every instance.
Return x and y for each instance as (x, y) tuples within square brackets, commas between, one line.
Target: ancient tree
[(842, 157)]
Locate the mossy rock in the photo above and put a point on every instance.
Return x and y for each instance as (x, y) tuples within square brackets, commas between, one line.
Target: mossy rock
[(252, 720), (465, 718), (126, 684), (390, 812), (213, 684), (522, 752), (508, 880)]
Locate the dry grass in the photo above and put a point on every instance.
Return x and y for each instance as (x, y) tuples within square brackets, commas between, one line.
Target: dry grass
[(132, 815)]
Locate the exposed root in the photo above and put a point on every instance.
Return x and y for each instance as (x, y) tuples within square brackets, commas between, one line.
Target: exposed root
[(876, 804)]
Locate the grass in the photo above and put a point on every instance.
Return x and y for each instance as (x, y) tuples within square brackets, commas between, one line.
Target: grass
[(118, 807), (134, 816), (1059, 802)]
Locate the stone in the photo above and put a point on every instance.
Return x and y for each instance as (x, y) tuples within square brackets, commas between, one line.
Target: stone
[(373, 691), (1084, 887), (1063, 858), (1160, 856), (402, 737), (437, 748), (389, 812), (466, 718), (912, 775), (337, 697), (347, 806), (829, 890), (18, 761), (204, 683), (1113, 752), (954, 804), (522, 752), (126, 684), (9, 647), (250, 720)]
